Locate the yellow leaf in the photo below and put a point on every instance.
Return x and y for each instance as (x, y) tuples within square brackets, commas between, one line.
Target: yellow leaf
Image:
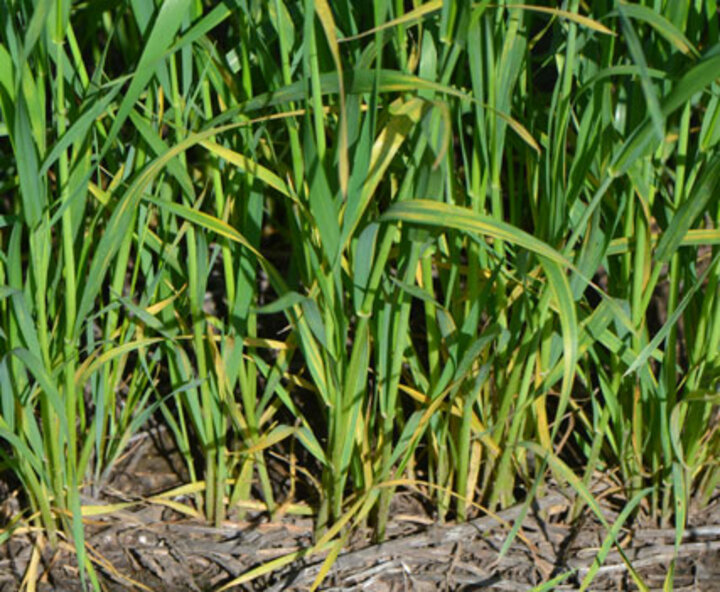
[(566, 14), (326, 18)]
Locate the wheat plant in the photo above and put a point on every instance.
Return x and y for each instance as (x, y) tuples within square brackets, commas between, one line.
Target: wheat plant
[(466, 249)]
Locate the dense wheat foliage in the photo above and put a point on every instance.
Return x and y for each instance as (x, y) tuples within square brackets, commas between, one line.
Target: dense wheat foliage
[(341, 248)]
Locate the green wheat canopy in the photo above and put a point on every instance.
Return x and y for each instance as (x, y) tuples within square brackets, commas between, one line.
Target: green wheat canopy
[(341, 249)]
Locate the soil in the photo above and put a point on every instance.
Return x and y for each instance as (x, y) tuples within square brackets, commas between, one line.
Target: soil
[(150, 546)]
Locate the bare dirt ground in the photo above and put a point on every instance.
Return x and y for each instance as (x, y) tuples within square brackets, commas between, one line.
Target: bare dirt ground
[(153, 547)]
